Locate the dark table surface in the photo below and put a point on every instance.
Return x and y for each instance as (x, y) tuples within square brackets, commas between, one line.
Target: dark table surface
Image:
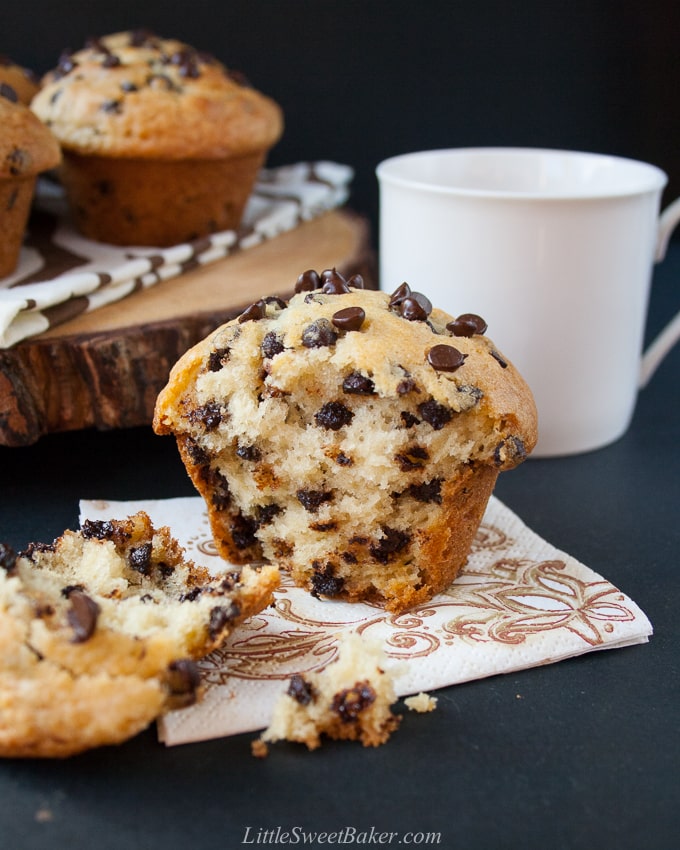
[(587, 756)]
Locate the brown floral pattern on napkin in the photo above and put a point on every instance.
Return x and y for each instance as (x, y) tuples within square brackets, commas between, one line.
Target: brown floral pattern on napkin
[(519, 603)]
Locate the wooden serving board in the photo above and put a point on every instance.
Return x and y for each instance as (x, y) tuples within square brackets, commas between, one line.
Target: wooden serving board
[(104, 369)]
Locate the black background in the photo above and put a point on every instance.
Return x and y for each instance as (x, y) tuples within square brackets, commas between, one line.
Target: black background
[(570, 756), (361, 80)]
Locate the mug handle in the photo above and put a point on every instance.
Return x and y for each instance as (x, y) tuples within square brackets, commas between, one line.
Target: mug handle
[(663, 343)]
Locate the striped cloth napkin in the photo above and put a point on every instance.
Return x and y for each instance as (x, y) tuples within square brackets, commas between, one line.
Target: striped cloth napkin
[(61, 274)]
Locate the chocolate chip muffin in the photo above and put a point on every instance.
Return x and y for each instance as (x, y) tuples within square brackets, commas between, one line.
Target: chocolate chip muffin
[(162, 143), (27, 148), (22, 80), (351, 436), (351, 699), (99, 630)]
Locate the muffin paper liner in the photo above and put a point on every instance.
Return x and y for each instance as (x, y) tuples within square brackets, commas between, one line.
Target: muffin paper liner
[(61, 274), (519, 603)]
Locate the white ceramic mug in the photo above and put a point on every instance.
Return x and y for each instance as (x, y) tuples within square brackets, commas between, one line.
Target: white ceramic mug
[(555, 250)]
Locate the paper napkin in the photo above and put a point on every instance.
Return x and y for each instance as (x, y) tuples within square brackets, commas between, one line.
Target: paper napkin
[(518, 603), (62, 274)]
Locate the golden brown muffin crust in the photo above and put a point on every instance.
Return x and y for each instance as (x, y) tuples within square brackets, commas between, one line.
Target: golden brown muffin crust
[(27, 147), (133, 94), (24, 82)]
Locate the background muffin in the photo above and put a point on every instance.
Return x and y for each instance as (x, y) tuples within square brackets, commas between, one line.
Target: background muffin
[(24, 82), (161, 143), (350, 436), (27, 148)]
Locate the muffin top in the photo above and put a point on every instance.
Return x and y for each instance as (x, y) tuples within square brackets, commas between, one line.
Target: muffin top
[(22, 80), (137, 95), (27, 147), (384, 346)]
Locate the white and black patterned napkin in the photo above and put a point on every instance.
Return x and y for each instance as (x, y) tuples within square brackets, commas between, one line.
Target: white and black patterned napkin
[(61, 274)]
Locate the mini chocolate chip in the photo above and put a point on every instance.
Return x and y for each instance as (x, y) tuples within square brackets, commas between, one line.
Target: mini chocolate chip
[(183, 677), (217, 359), (222, 616), (391, 543), (445, 358), (190, 70), (324, 582), (350, 702), (141, 37), (342, 460), (113, 107), (100, 529), (220, 495), (139, 559), (128, 86), (230, 580), (407, 385), (197, 454), (311, 500), (435, 414), (34, 549), (415, 307), (467, 324), (356, 281), (412, 458), (8, 93), (256, 311), (408, 419), (82, 615), (510, 451), (349, 318), (300, 689), (271, 344), (210, 415), (68, 590), (333, 416), (187, 63), (248, 452), (8, 557), (17, 160), (401, 292), (429, 491), (65, 65), (308, 281), (266, 513), (475, 393), (333, 283), (110, 61), (319, 334), (242, 530), (357, 384), (497, 357)]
